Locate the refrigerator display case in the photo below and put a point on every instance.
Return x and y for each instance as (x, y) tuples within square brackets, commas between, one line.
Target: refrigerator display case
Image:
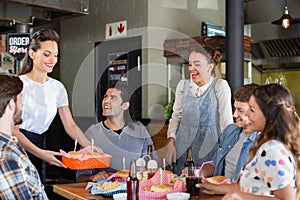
[(118, 60)]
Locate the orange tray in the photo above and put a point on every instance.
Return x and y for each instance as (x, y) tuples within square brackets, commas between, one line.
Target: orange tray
[(76, 164)]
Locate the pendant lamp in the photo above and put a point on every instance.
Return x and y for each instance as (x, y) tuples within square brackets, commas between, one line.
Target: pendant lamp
[(286, 20)]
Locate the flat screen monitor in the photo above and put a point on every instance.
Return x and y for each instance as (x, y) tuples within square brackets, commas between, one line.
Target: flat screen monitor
[(209, 29)]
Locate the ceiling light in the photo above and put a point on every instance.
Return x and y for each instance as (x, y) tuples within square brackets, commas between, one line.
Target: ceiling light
[(286, 20)]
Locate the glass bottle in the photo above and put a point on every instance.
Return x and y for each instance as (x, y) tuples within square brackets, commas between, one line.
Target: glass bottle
[(152, 168), (189, 158), (140, 169), (150, 151), (132, 183), (189, 163)]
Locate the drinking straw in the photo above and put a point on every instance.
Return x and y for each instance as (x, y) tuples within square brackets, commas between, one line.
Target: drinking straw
[(160, 175), (123, 163), (204, 163), (75, 145), (92, 144), (164, 164)]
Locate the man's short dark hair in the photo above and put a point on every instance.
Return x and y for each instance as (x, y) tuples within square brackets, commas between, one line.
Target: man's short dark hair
[(243, 93), (10, 87)]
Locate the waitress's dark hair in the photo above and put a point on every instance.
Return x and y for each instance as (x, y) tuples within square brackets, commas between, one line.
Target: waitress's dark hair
[(41, 35)]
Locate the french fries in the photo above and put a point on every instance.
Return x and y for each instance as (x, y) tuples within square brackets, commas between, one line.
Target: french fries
[(108, 185)]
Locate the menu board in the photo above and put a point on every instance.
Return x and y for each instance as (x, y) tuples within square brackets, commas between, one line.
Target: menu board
[(118, 68)]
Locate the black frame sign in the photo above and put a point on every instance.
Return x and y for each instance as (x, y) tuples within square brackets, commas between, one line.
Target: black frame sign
[(17, 44)]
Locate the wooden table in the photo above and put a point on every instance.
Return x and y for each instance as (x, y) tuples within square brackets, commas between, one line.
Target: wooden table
[(77, 191)]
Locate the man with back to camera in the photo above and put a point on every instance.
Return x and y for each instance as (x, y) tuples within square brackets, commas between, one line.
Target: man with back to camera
[(19, 178), (118, 135), (235, 141)]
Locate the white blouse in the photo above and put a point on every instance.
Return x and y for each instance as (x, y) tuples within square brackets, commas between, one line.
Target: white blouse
[(40, 103)]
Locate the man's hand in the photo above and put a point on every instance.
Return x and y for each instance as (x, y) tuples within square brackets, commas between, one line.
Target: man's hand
[(170, 154), (99, 176), (207, 188), (49, 157)]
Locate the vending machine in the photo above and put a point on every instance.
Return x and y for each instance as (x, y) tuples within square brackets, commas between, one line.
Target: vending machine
[(118, 60)]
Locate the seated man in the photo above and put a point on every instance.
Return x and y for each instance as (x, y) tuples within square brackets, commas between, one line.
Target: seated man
[(19, 177), (235, 141), (118, 135)]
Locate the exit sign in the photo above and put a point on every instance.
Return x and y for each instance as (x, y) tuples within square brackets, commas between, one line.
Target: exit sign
[(116, 29)]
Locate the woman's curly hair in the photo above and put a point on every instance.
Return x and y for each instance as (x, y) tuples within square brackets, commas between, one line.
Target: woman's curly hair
[(214, 56)]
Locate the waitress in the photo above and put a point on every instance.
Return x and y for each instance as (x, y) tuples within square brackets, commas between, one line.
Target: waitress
[(202, 109), (43, 96)]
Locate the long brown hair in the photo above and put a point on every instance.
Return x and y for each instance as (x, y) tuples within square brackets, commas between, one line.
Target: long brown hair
[(35, 43), (282, 122)]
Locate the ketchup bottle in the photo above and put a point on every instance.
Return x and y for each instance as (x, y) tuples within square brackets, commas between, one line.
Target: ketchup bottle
[(132, 183)]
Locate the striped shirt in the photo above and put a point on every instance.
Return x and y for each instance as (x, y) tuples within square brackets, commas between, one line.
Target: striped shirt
[(19, 178)]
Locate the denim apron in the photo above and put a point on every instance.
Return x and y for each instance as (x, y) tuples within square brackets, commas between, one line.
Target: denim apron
[(199, 127)]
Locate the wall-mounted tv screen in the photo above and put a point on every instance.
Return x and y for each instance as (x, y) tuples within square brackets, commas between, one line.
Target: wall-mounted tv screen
[(209, 29)]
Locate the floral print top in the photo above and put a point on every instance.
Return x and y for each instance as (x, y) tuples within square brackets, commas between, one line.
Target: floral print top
[(272, 168)]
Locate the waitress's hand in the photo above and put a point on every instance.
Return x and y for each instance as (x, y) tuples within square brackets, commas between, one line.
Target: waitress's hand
[(170, 154), (49, 157)]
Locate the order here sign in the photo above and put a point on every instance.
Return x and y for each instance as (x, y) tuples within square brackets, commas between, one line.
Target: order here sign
[(17, 44)]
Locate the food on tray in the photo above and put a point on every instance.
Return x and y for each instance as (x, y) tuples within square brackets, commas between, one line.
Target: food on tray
[(123, 173), (76, 160), (215, 179), (75, 154), (92, 154), (108, 185), (161, 188)]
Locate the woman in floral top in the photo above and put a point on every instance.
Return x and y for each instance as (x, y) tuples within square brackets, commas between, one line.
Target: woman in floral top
[(274, 164), (273, 170)]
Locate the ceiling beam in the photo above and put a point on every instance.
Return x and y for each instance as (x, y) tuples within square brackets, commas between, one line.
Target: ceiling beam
[(75, 6)]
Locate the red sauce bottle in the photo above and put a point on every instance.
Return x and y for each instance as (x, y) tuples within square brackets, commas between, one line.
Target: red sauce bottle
[(132, 183)]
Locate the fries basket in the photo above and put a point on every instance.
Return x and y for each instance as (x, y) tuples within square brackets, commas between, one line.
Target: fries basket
[(106, 193), (102, 161)]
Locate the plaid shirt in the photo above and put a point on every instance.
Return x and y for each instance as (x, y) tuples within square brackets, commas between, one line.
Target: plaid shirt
[(19, 178)]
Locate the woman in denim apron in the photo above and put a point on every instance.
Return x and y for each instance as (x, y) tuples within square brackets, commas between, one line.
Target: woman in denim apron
[(202, 109)]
